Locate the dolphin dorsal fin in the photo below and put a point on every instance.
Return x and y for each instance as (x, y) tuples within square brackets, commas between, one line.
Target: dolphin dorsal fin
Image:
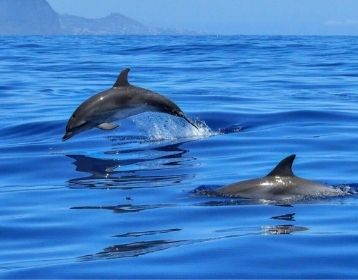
[(122, 80), (284, 168)]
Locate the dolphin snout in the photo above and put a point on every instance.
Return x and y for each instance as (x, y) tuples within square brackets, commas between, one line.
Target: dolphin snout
[(67, 136)]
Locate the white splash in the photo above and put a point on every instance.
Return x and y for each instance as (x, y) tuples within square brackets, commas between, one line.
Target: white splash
[(165, 127)]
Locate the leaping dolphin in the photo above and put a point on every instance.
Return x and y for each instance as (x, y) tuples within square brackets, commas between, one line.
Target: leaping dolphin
[(119, 102), (279, 185)]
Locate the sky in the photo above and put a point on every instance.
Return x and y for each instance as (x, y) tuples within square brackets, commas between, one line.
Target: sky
[(261, 17)]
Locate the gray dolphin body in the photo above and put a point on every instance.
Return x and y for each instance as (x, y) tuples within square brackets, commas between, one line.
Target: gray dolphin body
[(121, 101), (279, 185)]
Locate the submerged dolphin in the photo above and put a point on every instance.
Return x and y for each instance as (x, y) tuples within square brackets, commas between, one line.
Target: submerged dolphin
[(121, 101), (280, 184)]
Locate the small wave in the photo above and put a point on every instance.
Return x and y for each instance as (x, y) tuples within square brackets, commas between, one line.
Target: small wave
[(282, 229), (134, 249), (124, 208), (30, 46), (231, 129), (348, 189), (205, 190), (35, 130), (147, 233), (164, 127)]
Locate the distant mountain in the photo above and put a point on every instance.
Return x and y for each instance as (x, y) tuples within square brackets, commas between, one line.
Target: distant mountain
[(112, 24), (36, 17), (28, 17)]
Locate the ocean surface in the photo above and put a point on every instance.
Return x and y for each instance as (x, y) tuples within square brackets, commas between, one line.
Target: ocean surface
[(122, 203)]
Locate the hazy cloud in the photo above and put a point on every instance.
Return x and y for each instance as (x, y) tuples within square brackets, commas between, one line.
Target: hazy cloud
[(346, 22)]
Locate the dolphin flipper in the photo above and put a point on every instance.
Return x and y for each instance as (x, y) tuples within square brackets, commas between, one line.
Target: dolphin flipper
[(107, 126)]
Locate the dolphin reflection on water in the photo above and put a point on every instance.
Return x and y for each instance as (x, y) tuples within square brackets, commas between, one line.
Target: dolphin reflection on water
[(112, 172), (121, 101)]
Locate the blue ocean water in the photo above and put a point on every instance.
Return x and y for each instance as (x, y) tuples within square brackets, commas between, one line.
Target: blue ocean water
[(120, 204)]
